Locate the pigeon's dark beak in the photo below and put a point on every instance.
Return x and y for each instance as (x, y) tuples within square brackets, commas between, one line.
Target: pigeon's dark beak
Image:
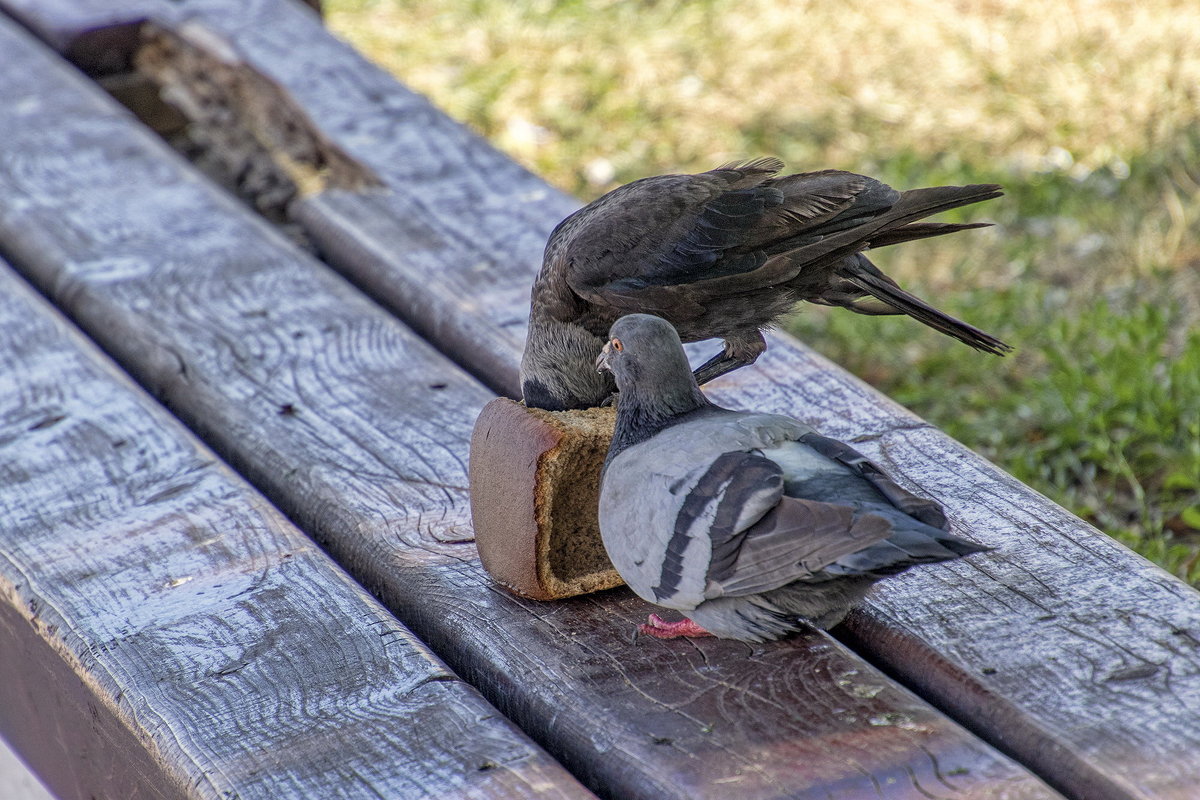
[(602, 359)]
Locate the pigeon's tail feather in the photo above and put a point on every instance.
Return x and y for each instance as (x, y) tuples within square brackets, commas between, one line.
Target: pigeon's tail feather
[(921, 230), (867, 277), (911, 543), (916, 204), (961, 546), (876, 226)]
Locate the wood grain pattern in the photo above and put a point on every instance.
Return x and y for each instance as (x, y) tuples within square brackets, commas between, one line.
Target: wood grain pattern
[(1115, 709), (166, 633), (358, 430)]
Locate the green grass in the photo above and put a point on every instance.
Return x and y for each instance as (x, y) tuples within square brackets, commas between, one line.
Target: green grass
[(1087, 113), (1099, 409)]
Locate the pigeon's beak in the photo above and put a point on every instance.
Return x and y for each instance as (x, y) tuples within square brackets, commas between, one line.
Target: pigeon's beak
[(602, 359)]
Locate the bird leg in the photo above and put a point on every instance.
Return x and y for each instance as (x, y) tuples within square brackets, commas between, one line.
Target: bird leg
[(738, 352), (659, 628)]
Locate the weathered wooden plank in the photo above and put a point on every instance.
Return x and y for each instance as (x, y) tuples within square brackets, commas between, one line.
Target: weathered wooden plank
[(1059, 599), (1115, 707), (99, 37), (166, 633), (359, 431)]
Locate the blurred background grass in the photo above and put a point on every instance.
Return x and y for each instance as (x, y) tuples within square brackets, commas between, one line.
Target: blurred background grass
[(1087, 111)]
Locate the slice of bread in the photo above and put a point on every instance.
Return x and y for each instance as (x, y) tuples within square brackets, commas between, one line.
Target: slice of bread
[(535, 489)]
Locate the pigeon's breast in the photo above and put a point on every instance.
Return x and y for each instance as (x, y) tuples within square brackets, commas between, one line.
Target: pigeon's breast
[(644, 490), (640, 523)]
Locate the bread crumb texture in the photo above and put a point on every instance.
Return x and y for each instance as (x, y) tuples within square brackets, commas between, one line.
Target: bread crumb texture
[(535, 488)]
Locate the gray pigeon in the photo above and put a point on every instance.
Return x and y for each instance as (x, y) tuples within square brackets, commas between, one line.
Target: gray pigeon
[(723, 254), (745, 522)]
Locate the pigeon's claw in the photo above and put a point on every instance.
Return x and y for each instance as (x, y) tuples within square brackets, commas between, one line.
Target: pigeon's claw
[(739, 351), (715, 367), (659, 628)]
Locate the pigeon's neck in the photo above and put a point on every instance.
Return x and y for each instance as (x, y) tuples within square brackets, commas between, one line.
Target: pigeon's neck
[(558, 369), (644, 410)]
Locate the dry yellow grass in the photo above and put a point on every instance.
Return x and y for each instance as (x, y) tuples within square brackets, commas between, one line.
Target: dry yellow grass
[(1025, 83), (594, 94)]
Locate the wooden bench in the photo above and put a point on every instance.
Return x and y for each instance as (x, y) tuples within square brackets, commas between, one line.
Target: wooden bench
[(1064, 650)]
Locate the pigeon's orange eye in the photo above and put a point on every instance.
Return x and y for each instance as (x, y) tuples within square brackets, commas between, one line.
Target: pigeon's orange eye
[(616, 343)]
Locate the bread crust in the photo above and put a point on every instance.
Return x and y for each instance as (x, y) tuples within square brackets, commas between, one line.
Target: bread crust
[(535, 487)]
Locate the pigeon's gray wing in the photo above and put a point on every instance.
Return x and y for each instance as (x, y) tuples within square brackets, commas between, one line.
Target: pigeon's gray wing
[(708, 234), (848, 530), (809, 541), (707, 509), (795, 541), (730, 496), (663, 501), (920, 508), (661, 506), (735, 533)]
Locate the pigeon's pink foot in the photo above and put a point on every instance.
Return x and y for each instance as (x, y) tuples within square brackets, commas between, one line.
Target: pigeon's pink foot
[(659, 628)]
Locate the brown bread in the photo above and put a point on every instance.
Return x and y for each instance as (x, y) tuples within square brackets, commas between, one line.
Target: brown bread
[(535, 486)]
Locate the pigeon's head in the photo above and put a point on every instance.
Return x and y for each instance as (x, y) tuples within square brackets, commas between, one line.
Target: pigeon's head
[(644, 351)]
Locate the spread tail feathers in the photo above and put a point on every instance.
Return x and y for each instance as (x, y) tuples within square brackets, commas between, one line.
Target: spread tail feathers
[(913, 205)]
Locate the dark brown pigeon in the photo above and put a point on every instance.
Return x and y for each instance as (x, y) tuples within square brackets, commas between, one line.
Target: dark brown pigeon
[(723, 254), (750, 524)]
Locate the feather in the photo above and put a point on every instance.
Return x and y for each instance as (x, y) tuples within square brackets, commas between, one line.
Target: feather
[(724, 254), (746, 522)]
